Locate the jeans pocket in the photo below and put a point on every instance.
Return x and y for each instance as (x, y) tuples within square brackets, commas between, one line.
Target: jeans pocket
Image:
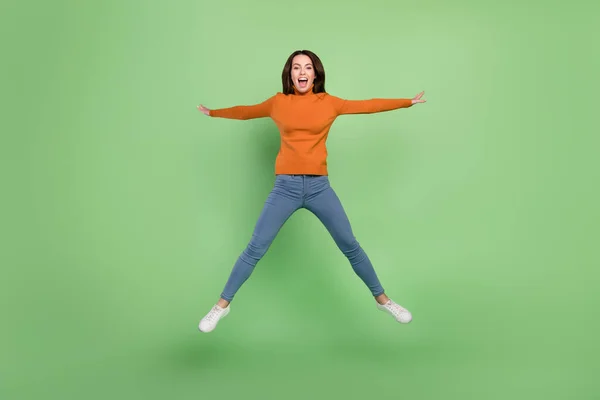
[(283, 178), (320, 183)]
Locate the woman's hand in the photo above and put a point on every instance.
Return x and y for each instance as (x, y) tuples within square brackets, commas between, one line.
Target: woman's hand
[(417, 98), (203, 109)]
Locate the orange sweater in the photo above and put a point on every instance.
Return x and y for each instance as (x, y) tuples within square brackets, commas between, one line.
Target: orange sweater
[(304, 121)]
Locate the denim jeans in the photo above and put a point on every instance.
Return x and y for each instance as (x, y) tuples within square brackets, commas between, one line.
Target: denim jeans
[(290, 193)]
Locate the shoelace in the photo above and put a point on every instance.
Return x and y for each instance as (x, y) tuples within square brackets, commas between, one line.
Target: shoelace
[(396, 309), (212, 314)]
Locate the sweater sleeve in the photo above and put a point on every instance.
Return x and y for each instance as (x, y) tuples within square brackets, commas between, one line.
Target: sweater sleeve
[(370, 106), (245, 112)]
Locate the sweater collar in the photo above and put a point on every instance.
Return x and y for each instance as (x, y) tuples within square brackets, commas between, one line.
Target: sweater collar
[(309, 93)]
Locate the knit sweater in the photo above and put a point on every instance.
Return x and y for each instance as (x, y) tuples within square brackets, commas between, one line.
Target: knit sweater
[(304, 121)]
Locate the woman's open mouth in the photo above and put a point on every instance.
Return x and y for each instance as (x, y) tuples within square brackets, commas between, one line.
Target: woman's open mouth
[(302, 82)]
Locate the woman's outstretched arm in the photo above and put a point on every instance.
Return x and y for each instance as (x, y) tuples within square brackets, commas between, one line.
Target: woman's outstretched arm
[(373, 105), (260, 110)]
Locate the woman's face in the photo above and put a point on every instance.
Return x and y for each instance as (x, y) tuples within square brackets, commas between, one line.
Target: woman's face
[(303, 73)]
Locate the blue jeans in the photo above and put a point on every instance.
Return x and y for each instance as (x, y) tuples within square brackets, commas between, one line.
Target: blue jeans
[(290, 193)]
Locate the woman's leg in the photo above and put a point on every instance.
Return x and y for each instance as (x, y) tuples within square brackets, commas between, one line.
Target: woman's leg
[(325, 204), (281, 203)]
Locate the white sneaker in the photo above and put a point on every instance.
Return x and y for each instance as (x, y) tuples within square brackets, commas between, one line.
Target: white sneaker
[(401, 314), (210, 321)]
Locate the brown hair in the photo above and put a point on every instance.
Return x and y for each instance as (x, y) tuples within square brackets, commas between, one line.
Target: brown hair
[(286, 78)]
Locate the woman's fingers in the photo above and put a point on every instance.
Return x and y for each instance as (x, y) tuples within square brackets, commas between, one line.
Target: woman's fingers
[(417, 98), (203, 109)]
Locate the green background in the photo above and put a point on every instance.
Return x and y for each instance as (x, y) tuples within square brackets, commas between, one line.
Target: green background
[(124, 208)]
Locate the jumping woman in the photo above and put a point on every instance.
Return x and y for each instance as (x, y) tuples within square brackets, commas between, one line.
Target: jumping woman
[(304, 113)]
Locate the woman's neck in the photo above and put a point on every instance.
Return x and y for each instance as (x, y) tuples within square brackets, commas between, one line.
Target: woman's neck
[(307, 93)]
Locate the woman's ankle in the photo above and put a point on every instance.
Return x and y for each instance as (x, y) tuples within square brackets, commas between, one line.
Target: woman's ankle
[(382, 298), (223, 303)]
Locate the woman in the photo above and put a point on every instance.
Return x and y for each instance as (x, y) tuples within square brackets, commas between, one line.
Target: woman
[(304, 113)]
